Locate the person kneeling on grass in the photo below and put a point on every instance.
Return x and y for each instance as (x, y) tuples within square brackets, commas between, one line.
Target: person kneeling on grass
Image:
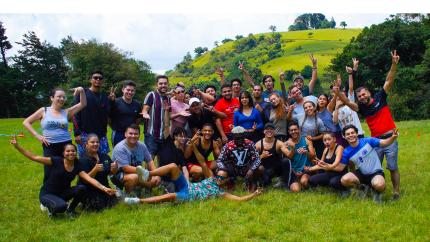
[(363, 154), (56, 189), (185, 191)]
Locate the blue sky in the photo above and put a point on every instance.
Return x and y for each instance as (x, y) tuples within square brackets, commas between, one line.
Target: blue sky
[(160, 39)]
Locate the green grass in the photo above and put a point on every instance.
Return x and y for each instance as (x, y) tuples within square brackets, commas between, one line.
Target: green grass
[(274, 216), (324, 43)]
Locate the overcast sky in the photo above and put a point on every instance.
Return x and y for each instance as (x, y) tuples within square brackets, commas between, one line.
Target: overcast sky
[(159, 39)]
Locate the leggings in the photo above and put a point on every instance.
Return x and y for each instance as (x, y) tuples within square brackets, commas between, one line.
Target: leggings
[(288, 176), (327, 178), (57, 203)]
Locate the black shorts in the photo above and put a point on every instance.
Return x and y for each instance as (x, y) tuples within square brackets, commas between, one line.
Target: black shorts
[(367, 179)]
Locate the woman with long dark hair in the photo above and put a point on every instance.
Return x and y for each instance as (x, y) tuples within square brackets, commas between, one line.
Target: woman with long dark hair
[(248, 117)]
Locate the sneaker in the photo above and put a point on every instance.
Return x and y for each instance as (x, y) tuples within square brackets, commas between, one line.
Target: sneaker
[(119, 193), (43, 208), (131, 200), (377, 197), (395, 197), (362, 191), (142, 173), (72, 214), (345, 193)]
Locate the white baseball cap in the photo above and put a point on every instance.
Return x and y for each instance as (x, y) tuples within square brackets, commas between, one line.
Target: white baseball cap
[(193, 100)]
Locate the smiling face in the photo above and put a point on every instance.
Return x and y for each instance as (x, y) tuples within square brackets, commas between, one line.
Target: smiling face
[(269, 133), (128, 92), (207, 132), (162, 85), (59, 98), (274, 99), (298, 83), (309, 108), (363, 96), (226, 93), (69, 152), (244, 99), (235, 86), (296, 93), (294, 131), (351, 136), (211, 91), (92, 145), (132, 136), (180, 94)]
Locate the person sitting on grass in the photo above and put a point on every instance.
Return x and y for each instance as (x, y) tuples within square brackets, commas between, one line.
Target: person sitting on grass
[(239, 158), (203, 141), (363, 154), (99, 166), (332, 155), (56, 189), (184, 191), (301, 152), (129, 154)]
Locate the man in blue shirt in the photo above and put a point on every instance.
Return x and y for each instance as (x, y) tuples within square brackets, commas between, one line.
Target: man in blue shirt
[(363, 154)]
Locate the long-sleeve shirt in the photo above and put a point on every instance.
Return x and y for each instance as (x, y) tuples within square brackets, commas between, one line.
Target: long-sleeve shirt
[(240, 119), (94, 117), (240, 156)]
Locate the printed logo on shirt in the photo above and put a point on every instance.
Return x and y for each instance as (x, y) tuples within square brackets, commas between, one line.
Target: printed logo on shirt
[(240, 156)]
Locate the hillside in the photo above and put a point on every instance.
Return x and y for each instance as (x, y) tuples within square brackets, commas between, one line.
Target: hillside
[(265, 53)]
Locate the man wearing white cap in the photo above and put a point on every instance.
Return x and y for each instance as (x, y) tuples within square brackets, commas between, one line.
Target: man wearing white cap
[(239, 158)]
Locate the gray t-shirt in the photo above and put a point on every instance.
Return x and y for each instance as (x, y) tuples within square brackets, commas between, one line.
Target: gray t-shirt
[(310, 126), (127, 156)]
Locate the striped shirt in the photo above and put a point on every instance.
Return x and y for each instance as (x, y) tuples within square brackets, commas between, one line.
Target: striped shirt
[(154, 126)]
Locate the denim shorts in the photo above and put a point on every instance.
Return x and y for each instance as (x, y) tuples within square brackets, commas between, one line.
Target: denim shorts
[(181, 188), (391, 152)]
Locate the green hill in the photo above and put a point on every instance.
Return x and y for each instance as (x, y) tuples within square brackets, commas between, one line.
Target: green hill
[(265, 53)]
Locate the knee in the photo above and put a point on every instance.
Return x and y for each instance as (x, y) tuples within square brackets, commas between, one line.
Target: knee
[(346, 181), (172, 166), (261, 169), (378, 185), (304, 181), (295, 187)]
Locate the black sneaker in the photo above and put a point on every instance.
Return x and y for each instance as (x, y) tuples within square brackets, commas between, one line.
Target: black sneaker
[(345, 193), (377, 197), (395, 197), (363, 189), (72, 214)]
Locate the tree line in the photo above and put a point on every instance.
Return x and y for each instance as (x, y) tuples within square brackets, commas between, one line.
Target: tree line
[(27, 77)]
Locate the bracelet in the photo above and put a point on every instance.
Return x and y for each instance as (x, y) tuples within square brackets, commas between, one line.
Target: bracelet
[(314, 68)]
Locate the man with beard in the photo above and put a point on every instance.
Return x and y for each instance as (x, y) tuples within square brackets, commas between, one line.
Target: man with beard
[(378, 117), (227, 105), (94, 117), (156, 112), (239, 158), (125, 111)]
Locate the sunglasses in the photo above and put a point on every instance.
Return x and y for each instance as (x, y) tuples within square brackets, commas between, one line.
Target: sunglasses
[(97, 77), (182, 91)]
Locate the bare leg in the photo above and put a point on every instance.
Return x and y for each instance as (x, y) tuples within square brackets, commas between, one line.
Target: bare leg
[(350, 180), (378, 183), (304, 181), (169, 197), (130, 181), (196, 172), (395, 180), (170, 169), (295, 187)]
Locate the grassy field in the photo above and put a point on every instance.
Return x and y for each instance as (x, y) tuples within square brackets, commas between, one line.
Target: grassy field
[(324, 43), (274, 216)]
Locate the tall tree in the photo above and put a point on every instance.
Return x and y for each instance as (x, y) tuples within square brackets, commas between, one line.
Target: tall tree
[(4, 44)]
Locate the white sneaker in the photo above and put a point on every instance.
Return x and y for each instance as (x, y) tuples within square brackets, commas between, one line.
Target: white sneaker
[(119, 193), (142, 173), (131, 200), (43, 208)]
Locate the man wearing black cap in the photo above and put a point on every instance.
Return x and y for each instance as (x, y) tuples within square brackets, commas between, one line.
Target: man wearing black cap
[(239, 158)]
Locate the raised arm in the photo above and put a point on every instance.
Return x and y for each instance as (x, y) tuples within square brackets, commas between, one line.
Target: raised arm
[(344, 99), (206, 97), (82, 104), (283, 88), (220, 72), (246, 75), (314, 73), (29, 155), (390, 77)]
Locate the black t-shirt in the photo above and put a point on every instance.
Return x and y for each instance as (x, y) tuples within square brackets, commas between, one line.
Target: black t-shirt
[(170, 154), (123, 114), (197, 121), (59, 179), (87, 163)]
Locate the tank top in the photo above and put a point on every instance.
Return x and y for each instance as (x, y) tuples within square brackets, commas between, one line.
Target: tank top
[(272, 160), (202, 151), (55, 129), (332, 158), (299, 161)]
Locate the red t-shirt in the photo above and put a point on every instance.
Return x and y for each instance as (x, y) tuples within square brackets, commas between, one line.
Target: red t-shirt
[(227, 107)]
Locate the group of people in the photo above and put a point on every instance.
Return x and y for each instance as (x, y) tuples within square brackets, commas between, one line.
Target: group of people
[(199, 145)]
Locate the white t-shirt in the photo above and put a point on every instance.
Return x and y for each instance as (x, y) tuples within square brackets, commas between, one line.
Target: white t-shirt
[(348, 116)]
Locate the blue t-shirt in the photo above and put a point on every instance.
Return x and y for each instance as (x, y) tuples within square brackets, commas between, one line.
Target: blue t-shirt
[(363, 156), (127, 156), (240, 119)]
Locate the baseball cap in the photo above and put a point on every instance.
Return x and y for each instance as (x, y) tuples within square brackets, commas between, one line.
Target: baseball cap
[(269, 126), (298, 77), (193, 100)]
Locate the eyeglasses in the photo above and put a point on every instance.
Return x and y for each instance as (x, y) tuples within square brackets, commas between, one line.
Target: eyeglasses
[(98, 78)]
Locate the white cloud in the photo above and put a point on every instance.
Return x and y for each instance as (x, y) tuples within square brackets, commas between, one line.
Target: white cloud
[(159, 39)]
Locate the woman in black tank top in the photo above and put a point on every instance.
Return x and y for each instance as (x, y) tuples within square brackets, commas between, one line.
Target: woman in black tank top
[(330, 159)]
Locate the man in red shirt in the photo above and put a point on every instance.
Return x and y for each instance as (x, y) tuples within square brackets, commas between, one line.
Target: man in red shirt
[(227, 105), (380, 121)]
